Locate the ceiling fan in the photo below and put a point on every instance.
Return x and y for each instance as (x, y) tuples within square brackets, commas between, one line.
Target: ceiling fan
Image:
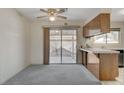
[(53, 13)]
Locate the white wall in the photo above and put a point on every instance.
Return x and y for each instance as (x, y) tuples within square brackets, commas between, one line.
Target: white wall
[(14, 43), (37, 38)]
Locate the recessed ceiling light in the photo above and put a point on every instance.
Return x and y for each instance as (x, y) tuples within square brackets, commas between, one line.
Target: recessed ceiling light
[(122, 12)]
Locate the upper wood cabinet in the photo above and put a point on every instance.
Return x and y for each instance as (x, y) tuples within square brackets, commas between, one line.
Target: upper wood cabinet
[(99, 25)]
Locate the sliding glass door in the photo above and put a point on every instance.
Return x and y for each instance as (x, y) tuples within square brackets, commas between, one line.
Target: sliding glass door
[(68, 46), (55, 46), (62, 46)]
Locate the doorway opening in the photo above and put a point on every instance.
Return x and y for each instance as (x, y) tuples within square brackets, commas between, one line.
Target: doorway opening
[(63, 46)]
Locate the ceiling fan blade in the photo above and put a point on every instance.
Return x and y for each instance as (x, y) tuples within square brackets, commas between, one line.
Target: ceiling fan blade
[(45, 11), (41, 16), (62, 10), (63, 17)]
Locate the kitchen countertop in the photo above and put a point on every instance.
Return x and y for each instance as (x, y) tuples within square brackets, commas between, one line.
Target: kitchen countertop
[(116, 48), (98, 50)]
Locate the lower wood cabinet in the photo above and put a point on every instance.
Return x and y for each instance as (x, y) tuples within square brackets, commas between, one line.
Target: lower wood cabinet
[(93, 64), (102, 66), (94, 68), (108, 66)]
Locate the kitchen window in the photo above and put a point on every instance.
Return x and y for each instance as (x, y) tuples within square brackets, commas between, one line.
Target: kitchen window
[(109, 38)]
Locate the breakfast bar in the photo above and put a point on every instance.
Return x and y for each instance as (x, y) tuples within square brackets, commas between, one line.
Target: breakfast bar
[(102, 63)]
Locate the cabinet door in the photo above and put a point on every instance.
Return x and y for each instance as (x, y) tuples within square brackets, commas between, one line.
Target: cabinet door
[(105, 23), (84, 58), (93, 24), (98, 22), (108, 66), (85, 31), (93, 64), (99, 25)]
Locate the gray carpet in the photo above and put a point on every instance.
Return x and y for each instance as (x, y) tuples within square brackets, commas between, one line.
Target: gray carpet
[(53, 75)]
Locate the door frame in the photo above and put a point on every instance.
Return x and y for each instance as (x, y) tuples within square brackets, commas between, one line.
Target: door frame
[(46, 45), (47, 41)]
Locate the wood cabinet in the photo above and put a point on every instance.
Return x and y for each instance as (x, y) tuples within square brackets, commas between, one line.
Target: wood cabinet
[(93, 64), (108, 66), (85, 31), (84, 58), (99, 25), (103, 66)]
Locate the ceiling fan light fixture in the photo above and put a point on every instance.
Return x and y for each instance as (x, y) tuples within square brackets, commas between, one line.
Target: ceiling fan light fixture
[(53, 13), (52, 18)]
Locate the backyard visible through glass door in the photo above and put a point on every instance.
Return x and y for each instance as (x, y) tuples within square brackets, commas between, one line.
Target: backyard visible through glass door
[(62, 46), (68, 46)]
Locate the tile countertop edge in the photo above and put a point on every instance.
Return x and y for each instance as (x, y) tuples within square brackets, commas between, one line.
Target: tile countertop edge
[(97, 51)]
